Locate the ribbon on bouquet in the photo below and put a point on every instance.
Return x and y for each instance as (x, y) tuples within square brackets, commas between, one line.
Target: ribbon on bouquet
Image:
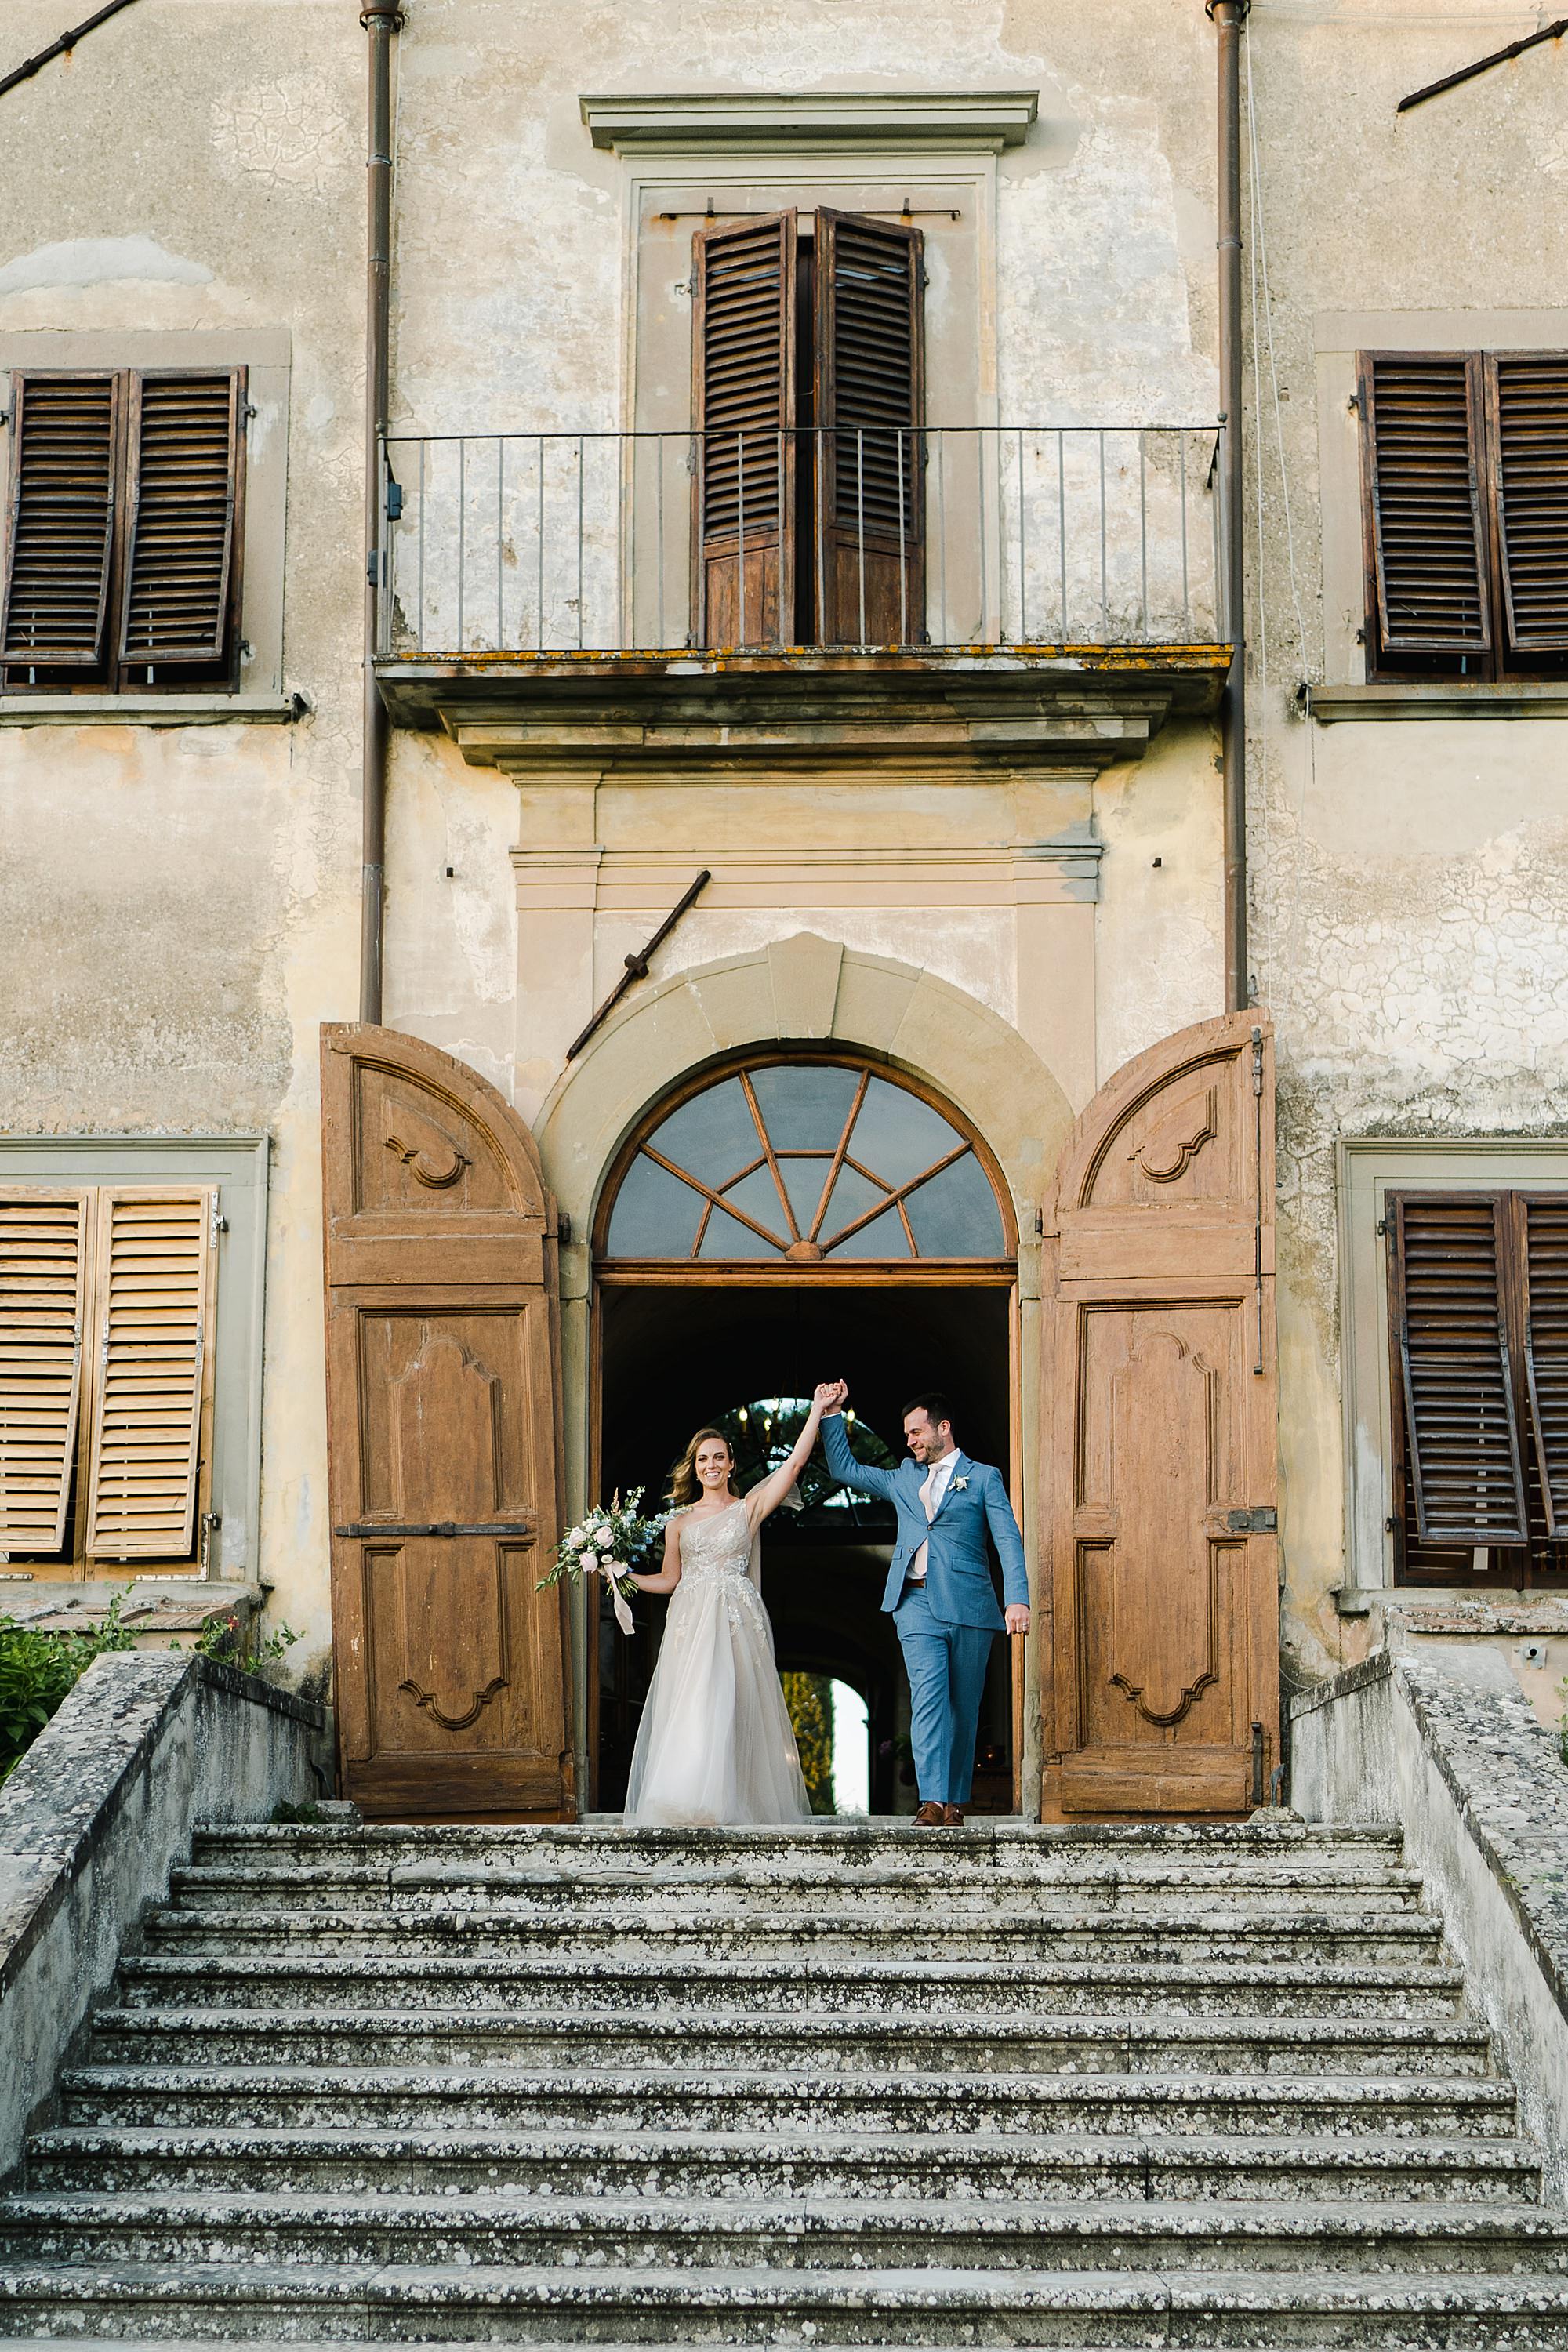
[(618, 1599)]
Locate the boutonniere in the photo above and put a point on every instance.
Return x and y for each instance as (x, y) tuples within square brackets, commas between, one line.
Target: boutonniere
[(959, 1485)]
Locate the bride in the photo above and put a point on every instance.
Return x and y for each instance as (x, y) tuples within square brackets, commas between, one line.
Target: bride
[(715, 1744)]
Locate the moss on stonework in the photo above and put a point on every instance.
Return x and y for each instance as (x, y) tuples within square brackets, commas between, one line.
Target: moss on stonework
[(809, 1698)]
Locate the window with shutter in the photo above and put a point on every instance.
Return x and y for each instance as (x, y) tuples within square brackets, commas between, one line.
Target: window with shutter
[(1545, 1232), (1422, 419), (869, 408), (1457, 1375), (124, 530), (184, 488), (59, 541), (1465, 506), (1528, 417), (808, 392), (43, 1266), (153, 1307), (744, 388), (1479, 1294)]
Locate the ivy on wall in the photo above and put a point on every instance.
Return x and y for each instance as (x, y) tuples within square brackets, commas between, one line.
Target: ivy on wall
[(809, 1698)]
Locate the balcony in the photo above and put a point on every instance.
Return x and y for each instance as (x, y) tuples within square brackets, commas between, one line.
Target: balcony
[(1052, 572)]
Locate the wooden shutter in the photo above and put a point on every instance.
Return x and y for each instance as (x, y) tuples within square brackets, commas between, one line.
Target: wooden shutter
[(1456, 1366), (1545, 1267), (184, 442), (1527, 407), (869, 494), (153, 1309), (43, 1268), (743, 402), (60, 536), (1421, 468)]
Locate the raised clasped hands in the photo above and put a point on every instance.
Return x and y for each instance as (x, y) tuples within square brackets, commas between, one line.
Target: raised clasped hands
[(829, 1397)]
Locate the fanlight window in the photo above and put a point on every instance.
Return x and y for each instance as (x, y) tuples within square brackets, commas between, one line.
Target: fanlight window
[(806, 1161)]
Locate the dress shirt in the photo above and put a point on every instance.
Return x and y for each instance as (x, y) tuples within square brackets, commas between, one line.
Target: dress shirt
[(933, 1487)]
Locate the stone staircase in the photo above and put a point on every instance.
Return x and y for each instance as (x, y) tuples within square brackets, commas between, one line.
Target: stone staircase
[(849, 2085)]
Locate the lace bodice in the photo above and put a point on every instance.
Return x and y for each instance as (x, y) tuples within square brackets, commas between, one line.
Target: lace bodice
[(717, 1547)]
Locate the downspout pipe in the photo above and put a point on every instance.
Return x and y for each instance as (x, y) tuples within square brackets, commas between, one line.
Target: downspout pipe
[(1229, 18), (381, 24)]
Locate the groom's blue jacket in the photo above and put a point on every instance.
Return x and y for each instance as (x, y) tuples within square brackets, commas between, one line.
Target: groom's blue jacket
[(959, 1590)]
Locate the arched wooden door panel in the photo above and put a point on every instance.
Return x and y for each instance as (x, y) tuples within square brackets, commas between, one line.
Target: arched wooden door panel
[(1162, 1689), (443, 1422)]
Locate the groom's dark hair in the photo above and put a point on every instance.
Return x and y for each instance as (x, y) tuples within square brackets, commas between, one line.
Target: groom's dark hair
[(934, 1406)]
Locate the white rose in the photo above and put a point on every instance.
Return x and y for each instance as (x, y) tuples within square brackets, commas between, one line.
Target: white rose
[(577, 1538), (589, 1562), (601, 1534)]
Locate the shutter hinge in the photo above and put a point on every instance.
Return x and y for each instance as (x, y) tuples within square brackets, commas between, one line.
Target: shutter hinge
[(1381, 1225), (219, 1223), (1354, 404), (564, 1229), (394, 499), (373, 566), (1262, 1519), (250, 410), (211, 1522)]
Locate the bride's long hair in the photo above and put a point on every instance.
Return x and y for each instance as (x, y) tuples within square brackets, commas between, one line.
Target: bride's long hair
[(685, 1486)]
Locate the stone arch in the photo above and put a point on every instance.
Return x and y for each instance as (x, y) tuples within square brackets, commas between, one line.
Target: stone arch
[(798, 990)]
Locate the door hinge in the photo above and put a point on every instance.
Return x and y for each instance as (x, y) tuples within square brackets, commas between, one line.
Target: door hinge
[(1262, 1519), (519, 1531)]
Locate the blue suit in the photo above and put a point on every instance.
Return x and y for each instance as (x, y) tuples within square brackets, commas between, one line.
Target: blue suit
[(947, 1624)]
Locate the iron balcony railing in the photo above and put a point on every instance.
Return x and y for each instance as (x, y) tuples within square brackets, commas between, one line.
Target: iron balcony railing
[(975, 537)]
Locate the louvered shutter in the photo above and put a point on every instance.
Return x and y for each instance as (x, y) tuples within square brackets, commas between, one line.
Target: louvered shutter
[(59, 541), (1527, 405), (870, 404), (1545, 1216), (1421, 443), (153, 1287), (1457, 1369), (743, 401), (183, 440), (43, 1268)]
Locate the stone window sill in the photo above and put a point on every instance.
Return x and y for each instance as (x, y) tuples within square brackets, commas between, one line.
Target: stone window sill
[(149, 710), (1455, 698), (1359, 1600)]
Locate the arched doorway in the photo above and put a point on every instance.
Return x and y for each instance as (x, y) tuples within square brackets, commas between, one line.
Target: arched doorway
[(791, 1215)]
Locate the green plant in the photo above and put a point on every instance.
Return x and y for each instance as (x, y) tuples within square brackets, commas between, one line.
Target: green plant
[(39, 1672), (809, 1698), (235, 1640), (1562, 1724)]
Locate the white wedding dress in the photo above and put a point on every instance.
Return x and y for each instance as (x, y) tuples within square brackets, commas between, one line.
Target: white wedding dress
[(715, 1744)]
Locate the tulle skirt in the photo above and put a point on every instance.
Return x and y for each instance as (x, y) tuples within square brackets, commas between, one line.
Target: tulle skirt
[(715, 1746)]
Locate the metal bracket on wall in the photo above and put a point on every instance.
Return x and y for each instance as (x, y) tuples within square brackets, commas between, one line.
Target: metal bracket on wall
[(1552, 32), (637, 965)]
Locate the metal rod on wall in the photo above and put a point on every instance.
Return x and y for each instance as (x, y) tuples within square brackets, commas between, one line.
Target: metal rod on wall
[(1229, 18), (381, 21)]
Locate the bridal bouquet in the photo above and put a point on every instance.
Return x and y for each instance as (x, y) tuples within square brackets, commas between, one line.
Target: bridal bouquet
[(605, 1544)]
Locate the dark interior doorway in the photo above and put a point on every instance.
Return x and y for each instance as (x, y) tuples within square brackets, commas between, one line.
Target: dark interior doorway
[(675, 1355)]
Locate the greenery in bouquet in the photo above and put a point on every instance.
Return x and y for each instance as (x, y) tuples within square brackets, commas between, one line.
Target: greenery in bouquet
[(610, 1543)]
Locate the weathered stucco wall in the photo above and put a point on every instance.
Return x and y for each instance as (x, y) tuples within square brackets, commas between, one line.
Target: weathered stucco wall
[(180, 903), (1409, 879)]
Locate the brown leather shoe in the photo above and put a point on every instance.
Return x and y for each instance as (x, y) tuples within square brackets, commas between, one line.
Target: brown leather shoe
[(930, 1817), (952, 1816)]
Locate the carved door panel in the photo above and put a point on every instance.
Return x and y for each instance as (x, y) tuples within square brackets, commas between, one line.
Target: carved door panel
[(443, 1426), (1163, 1690)]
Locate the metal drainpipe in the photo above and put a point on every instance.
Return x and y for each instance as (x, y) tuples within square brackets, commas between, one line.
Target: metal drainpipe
[(1228, 18), (380, 22)]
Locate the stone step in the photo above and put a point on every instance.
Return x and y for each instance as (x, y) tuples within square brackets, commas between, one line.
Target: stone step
[(535, 1983), (929, 2306), (729, 2099), (929, 2164), (920, 2040), (1194, 1845), (1001, 2232), (1193, 1932), (565, 1891)]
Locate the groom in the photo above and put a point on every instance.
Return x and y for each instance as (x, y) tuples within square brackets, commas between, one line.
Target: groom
[(939, 1589)]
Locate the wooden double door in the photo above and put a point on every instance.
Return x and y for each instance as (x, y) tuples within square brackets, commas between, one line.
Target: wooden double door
[(1156, 1580), (443, 1422)]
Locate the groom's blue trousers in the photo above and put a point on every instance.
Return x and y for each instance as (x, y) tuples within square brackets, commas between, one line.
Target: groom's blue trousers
[(946, 1666)]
